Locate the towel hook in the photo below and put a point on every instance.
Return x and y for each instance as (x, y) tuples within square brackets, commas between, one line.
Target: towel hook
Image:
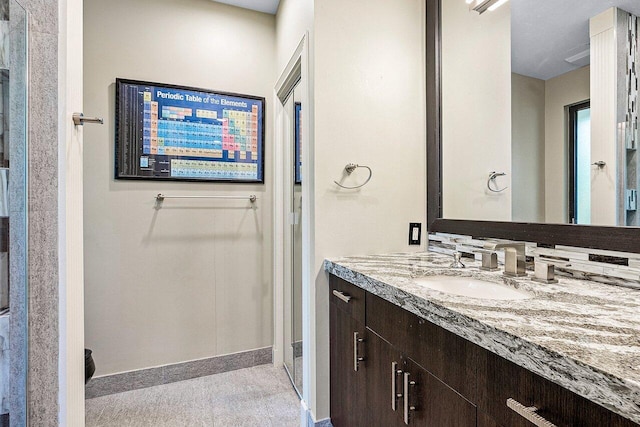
[(349, 168), (492, 178)]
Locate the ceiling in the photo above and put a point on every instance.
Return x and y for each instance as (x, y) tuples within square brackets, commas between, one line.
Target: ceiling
[(546, 32), (266, 6)]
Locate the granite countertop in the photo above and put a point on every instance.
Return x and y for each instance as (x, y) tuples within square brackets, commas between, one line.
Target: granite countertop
[(580, 334)]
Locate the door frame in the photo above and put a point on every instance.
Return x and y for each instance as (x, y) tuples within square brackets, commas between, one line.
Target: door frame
[(70, 216), (283, 179)]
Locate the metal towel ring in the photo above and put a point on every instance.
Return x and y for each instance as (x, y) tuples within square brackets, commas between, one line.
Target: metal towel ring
[(492, 178), (349, 168)]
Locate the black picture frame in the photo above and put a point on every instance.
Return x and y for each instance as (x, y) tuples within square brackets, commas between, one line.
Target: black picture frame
[(130, 143)]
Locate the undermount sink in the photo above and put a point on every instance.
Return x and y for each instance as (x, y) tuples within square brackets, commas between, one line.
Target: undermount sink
[(472, 287)]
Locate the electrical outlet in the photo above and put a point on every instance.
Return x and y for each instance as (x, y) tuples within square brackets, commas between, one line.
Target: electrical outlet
[(415, 231)]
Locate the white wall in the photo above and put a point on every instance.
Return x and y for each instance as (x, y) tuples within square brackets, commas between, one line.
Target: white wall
[(369, 109), (527, 148), (567, 89), (193, 279), (604, 116), (476, 111)]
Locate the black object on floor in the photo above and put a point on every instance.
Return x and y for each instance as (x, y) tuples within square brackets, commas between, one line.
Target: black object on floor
[(4, 420), (89, 365)]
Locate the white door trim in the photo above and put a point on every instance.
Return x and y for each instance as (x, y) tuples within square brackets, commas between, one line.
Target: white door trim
[(70, 231), (282, 178)]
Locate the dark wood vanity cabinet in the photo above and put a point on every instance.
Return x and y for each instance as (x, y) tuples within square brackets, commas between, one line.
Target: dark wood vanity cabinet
[(450, 381), (387, 384)]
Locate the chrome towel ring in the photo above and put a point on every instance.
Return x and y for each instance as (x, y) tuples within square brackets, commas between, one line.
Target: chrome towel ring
[(492, 179), (349, 168)]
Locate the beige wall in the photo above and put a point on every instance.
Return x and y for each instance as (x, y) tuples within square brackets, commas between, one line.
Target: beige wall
[(476, 111), (193, 279), (293, 19), (369, 109), (567, 89), (527, 148)]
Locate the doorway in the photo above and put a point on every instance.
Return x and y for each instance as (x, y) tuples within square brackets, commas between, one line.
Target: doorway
[(292, 222), (293, 284)]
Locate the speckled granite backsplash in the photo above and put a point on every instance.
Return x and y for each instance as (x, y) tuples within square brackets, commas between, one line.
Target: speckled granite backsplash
[(609, 267)]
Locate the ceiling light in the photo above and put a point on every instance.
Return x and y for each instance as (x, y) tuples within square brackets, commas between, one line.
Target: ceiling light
[(580, 59), (482, 6)]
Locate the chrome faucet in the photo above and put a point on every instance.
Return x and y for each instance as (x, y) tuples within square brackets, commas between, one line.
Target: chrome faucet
[(514, 257)]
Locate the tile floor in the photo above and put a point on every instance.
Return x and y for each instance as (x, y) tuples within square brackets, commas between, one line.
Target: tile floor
[(258, 396)]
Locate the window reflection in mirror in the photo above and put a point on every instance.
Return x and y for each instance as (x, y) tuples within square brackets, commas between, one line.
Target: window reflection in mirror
[(579, 131)]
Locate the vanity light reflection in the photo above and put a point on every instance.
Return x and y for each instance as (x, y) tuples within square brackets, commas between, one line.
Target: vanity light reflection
[(482, 6)]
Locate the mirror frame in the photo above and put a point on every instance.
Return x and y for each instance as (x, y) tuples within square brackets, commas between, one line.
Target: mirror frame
[(623, 239)]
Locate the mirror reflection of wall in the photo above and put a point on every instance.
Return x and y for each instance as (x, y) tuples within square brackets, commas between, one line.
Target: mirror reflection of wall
[(297, 242), (509, 80), (293, 116)]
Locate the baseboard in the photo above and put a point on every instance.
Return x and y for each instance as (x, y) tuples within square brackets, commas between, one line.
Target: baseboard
[(322, 423), (134, 380), (297, 349), (308, 415)]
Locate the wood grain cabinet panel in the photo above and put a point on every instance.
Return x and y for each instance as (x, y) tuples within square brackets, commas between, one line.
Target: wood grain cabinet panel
[(445, 355), (355, 295), (499, 379), (497, 382), (381, 379), (433, 403), (348, 387)]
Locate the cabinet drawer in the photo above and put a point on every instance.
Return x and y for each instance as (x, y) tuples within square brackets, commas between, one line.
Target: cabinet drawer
[(500, 379), (347, 297), (447, 356)]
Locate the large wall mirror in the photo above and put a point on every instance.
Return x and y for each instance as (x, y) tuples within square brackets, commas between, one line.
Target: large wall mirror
[(532, 120)]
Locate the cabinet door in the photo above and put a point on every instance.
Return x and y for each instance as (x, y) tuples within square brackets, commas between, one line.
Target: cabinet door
[(384, 382), (427, 401), (348, 390), (444, 354)]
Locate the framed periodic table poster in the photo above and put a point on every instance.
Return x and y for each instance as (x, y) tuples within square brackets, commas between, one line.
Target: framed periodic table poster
[(169, 132)]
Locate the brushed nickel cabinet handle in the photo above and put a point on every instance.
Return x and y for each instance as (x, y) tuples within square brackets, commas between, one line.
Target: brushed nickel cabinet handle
[(344, 297), (528, 413), (407, 407), (394, 386), (356, 359)]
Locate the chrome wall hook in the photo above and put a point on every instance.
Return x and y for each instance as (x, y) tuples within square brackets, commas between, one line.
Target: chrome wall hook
[(600, 164), (349, 168), (79, 119)]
